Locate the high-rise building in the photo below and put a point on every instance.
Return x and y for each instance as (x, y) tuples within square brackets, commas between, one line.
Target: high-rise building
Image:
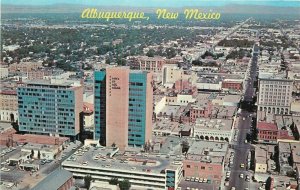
[(275, 95), (50, 107), (123, 107)]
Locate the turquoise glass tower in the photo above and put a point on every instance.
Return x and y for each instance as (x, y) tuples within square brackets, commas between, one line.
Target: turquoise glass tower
[(50, 108)]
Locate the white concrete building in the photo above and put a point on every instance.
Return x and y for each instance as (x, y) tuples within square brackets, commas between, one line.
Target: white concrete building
[(3, 72), (213, 129), (275, 95), (143, 172)]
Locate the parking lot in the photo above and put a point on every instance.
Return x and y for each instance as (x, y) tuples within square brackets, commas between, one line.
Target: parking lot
[(13, 177), (188, 185)]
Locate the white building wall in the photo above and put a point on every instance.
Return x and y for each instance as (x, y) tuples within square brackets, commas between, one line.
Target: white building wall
[(159, 106), (5, 115), (3, 73), (209, 86)]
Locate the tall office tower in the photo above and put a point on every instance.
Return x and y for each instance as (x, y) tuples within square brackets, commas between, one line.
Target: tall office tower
[(275, 95), (123, 107), (50, 107)]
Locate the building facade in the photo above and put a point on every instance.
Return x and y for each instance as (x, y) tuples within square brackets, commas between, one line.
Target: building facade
[(3, 72), (154, 64), (48, 107), (123, 107), (8, 106), (24, 66), (232, 84), (275, 95), (267, 132)]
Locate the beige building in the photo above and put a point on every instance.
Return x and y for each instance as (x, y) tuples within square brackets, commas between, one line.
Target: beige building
[(38, 74), (8, 106), (275, 95), (24, 66), (261, 165), (171, 73), (154, 64), (3, 72)]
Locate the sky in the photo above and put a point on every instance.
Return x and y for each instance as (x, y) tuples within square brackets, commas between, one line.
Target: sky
[(157, 3)]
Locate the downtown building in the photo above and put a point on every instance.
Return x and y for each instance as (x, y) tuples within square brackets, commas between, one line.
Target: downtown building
[(123, 107), (275, 95), (50, 107)]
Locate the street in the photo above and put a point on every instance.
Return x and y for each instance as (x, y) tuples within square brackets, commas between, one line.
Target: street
[(241, 149)]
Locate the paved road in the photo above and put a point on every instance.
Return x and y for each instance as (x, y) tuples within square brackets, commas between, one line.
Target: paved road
[(241, 149)]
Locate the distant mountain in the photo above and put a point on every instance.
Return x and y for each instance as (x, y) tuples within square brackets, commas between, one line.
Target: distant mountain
[(76, 8)]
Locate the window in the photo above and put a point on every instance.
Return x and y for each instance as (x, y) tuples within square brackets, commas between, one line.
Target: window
[(188, 166), (202, 167)]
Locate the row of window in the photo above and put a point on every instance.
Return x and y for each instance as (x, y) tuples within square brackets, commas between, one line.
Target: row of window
[(268, 137), (201, 167)]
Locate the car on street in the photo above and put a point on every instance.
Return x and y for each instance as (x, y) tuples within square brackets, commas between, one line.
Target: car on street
[(242, 176), (247, 178), (242, 165), (85, 163), (5, 169)]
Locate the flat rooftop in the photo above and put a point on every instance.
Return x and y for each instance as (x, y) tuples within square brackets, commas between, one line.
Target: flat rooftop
[(213, 124), (165, 125), (261, 152), (211, 152), (223, 111), (33, 146), (135, 162), (52, 83), (284, 147), (170, 109)]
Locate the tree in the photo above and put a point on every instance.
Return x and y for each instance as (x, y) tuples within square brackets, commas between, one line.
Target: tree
[(185, 146), (87, 181), (170, 53), (114, 181), (15, 125), (32, 154), (291, 173), (172, 117), (150, 53), (107, 61), (125, 184), (39, 155), (268, 183)]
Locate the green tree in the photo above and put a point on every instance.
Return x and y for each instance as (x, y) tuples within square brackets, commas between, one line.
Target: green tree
[(32, 154), (114, 181), (291, 173), (150, 53), (15, 125), (170, 53), (268, 183), (87, 181), (107, 61), (39, 155), (185, 146), (124, 185)]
